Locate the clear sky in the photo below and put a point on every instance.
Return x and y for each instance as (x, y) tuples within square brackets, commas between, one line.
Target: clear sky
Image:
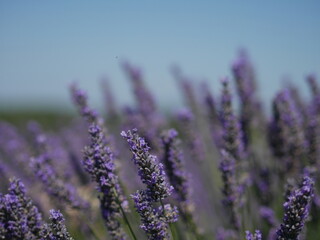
[(45, 45)]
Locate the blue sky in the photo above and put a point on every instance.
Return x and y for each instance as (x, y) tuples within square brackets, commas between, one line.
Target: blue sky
[(46, 45)]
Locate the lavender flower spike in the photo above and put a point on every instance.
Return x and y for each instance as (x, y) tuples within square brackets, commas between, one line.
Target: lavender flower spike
[(99, 163), (296, 211), (229, 190), (232, 133), (268, 215), (19, 218), (256, 236), (173, 161), (54, 184), (150, 171), (153, 221), (80, 99), (56, 229)]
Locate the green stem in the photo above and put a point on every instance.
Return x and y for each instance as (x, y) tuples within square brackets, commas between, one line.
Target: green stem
[(90, 227), (94, 234), (124, 215), (191, 225)]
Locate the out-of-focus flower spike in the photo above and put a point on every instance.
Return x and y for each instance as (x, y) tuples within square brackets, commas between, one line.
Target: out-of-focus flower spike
[(210, 103), (4, 173), (175, 169), (313, 138), (188, 91), (173, 161), (146, 108), (296, 211), (193, 137), (212, 114), (146, 102), (256, 236), (276, 132), (232, 133), (80, 100), (268, 215), (313, 84), (313, 123), (226, 234), (250, 107), (230, 188), (290, 125), (15, 151), (62, 192), (109, 99), (55, 186)]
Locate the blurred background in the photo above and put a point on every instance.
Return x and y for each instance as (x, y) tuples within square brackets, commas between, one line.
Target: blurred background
[(47, 45)]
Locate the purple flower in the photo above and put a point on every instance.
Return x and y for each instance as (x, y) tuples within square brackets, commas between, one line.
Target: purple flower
[(287, 127), (212, 115), (146, 103), (150, 171), (99, 162), (173, 161), (296, 211), (80, 101), (313, 123), (230, 188), (53, 184), (188, 91), (154, 221), (256, 236), (56, 229), (313, 84), (267, 214), (232, 133), (15, 151), (193, 138), (250, 107), (109, 99), (19, 217), (226, 234), (144, 116)]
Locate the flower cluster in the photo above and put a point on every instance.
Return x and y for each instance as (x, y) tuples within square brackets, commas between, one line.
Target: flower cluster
[(56, 228), (256, 236), (243, 166), (232, 133), (98, 161), (230, 188), (150, 171), (19, 218), (173, 161), (52, 182), (296, 211), (154, 220)]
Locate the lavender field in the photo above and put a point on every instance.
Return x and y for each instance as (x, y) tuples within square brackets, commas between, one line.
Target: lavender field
[(223, 167)]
